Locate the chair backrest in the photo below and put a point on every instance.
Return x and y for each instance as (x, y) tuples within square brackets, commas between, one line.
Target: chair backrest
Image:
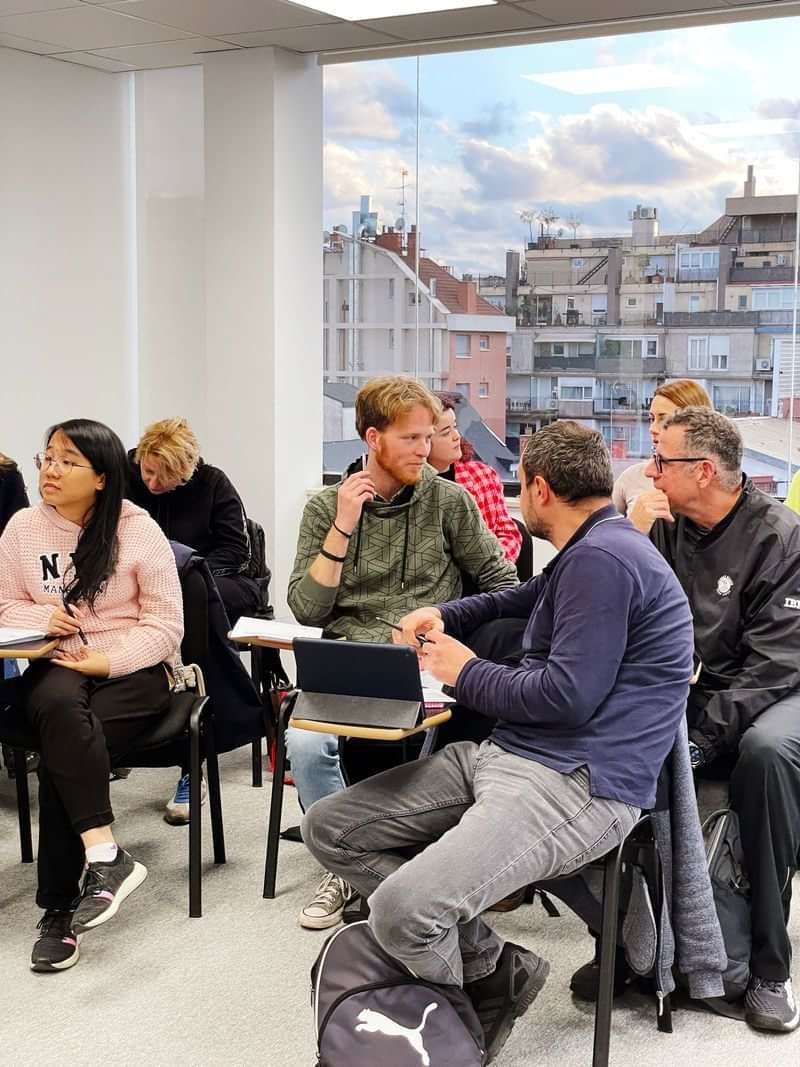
[(257, 568), (194, 647), (525, 557)]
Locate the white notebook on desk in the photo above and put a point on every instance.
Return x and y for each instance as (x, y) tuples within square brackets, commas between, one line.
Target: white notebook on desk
[(272, 630), (13, 635)]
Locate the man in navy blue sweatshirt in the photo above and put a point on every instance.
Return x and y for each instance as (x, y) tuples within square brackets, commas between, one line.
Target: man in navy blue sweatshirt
[(584, 722)]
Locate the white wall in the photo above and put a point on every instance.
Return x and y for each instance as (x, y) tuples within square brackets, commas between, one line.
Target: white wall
[(170, 238), (65, 340)]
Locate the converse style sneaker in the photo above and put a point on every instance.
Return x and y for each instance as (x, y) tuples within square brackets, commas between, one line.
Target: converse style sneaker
[(105, 886), (57, 946), (506, 994), (771, 1005), (327, 907), (176, 812)]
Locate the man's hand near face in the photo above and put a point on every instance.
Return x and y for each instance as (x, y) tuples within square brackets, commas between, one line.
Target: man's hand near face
[(444, 657)]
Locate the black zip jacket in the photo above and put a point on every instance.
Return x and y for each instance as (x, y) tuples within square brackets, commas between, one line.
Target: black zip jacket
[(12, 493), (206, 513), (742, 579)]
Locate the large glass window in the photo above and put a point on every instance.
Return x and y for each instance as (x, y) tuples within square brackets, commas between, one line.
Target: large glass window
[(536, 218)]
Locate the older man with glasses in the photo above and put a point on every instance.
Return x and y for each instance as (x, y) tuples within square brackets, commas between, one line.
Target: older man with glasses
[(736, 553)]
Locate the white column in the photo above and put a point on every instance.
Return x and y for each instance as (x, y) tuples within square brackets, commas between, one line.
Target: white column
[(263, 199)]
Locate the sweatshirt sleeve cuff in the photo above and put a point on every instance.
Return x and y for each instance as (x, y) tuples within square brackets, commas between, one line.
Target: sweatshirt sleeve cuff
[(321, 597)]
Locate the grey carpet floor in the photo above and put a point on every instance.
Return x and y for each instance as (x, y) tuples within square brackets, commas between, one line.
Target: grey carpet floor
[(155, 987)]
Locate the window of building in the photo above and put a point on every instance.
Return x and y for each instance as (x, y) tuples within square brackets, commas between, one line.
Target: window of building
[(483, 390), (391, 339), (742, 302), (463, 388), (652, 348), (631, 301), (570, 303), (391, 288), (718, 349), (462, 345), (432, 286), (483, 343), (698, 353), (508, 344), (558, 349), (773, 297), (694, 302), (412, 299), (576, 392)]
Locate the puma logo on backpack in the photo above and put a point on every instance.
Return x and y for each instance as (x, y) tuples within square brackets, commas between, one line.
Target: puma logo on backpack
[(362, 998), (375, 1022)]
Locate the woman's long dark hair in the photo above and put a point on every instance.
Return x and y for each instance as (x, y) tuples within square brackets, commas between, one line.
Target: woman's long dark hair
[(95, 557)]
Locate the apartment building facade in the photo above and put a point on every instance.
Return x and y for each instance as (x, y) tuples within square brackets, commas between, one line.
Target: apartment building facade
[(379, 320), (603, 321)]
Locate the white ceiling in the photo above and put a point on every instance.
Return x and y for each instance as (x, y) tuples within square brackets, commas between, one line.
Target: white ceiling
[(121, 35)]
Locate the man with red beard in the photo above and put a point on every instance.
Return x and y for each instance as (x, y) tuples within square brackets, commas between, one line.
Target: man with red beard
[(390, 537)]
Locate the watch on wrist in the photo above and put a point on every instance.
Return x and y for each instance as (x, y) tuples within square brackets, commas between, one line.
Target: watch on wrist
[(696, 755)]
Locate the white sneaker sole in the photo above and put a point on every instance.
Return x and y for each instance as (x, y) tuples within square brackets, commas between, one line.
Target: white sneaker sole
[(133, 881), (48, 968), (320, 922)]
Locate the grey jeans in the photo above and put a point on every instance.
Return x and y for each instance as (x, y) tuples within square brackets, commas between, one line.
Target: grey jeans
[(435, 842)]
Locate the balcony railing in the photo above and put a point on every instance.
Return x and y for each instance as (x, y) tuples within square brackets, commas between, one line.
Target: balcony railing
[(693, 319), (564, 363), (575, 409), (603, 406), (636, 366), (514, 405), (747, 275), (697, 274)]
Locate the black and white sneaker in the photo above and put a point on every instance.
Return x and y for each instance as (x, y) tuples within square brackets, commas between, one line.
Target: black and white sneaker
[(105, 886), (771, 1005), (506, 994), (57, 946)]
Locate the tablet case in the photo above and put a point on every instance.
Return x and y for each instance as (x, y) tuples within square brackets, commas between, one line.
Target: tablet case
[(358, 684)]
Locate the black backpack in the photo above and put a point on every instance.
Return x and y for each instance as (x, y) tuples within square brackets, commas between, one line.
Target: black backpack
[(731, 897), (368, 1010)]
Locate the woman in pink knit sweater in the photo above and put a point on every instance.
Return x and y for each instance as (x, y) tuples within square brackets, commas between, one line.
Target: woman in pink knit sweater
[(96, 571)]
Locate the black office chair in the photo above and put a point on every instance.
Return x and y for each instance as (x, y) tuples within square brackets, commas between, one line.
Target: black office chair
[(525, 557), (184, 734), (266, 668)]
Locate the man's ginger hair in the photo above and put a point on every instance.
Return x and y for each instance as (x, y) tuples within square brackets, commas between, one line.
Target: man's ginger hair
[(383, 401)]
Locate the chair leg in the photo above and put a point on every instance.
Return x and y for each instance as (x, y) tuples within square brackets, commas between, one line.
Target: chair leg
[(276, 799), (258, 776), (608, 945), (214, 797), (195, 821), (23, 805), (257, 674)]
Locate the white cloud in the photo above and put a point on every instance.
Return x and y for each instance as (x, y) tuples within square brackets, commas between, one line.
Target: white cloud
[(614, 78), (749, 128)]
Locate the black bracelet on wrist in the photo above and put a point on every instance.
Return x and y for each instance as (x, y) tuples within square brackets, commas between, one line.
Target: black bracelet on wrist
[(341, 531), (329, 555)]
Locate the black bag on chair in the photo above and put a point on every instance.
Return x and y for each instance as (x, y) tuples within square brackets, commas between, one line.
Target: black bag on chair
[(731, 897), (368, 1010)]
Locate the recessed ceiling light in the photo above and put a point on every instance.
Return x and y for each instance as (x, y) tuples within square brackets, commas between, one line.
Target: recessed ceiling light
[(356, 10)]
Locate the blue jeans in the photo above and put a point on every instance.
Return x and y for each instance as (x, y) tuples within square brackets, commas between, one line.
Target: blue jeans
[(481, 823), (316, 768), (10, 668)]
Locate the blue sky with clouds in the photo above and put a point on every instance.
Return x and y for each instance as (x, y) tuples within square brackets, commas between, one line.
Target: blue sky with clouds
[(589, 128)]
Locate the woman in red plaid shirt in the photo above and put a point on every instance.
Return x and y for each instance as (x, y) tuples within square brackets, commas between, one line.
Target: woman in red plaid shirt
[(451, 457)]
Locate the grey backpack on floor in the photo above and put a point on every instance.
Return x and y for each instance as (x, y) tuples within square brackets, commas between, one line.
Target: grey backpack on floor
[(369, 1010), (731, 896)]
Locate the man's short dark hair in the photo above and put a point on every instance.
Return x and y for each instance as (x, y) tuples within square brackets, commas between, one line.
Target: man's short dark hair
[(572, 459), (708, 433)]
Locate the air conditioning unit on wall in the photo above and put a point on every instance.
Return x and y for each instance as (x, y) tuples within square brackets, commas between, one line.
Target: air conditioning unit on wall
[(764, 364)]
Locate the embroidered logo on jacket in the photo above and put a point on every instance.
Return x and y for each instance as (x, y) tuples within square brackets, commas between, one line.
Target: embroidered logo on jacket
[(725, 585), (374, 1022), (792, 602)]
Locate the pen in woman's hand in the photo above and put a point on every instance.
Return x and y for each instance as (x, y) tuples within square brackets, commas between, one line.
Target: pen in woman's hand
[(420, 637), (71, 614)]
